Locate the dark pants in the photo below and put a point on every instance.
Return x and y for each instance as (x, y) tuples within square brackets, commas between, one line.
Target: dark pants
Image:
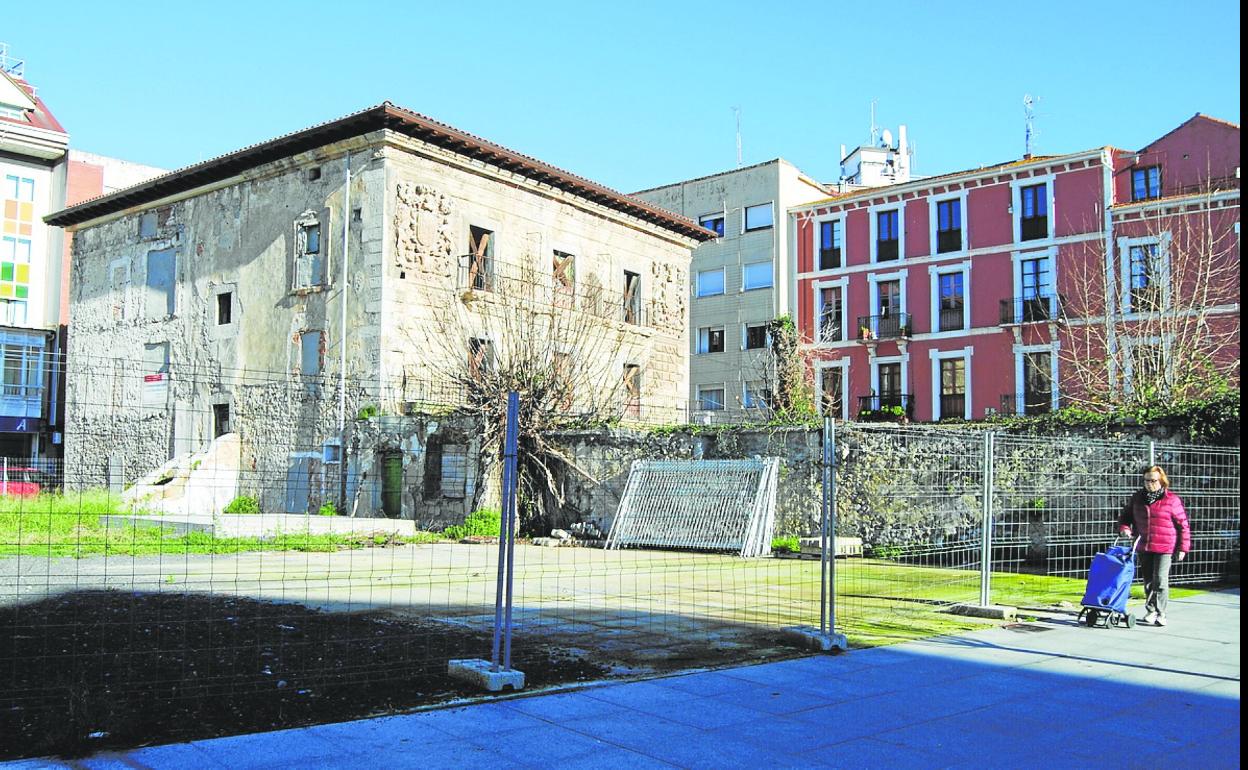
[(1155, 568)]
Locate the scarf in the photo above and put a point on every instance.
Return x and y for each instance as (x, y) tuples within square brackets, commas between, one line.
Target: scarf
[(1152, 497)]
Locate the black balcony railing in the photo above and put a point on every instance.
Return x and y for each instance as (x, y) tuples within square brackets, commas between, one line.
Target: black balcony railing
[(948, 240), (829, 259), (883, 327), (1033, 228), (1033, 402), (951, 319), (886, 406), (886, 251), (952, 406), (1037, 309)]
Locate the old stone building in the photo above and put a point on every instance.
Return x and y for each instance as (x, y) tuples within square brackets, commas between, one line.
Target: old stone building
[(310, 292)]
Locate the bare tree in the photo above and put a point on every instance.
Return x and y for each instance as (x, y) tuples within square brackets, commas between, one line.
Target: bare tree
[(1154, 316)]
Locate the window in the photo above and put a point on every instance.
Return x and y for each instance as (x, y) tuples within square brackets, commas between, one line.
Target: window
[(480, 259), (17, 188), (1146, 183), (830, 314), (756, 395), (23, 371), (952, 387), (755, 336), (632, 298), (15, 247), (309, 252), (1037, 383), (756, 275), (889, 377), (159, 294), (1146, 295), (561, 364), (155, 392), (13, 312), (632, 390), (1034, 221), (225, 306), (710, 282), (1036, 287), (713, 222), (758, 217), (331, 452), (147, 225), (952, 301), (314, 173), (711, 339), (220, 420), (948, 226), (887, 235), (830, 245), (711, 398), (832, 391), (480, 357), (563, 270), (454, 471), (311, 352)]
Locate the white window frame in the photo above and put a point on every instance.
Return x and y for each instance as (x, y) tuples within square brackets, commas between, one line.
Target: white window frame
[(817, 287), (771, 281), (697, 283), (843, 365), (1129, 344), (872, 216), (933, 222), (815, 235), (745, 333), (1019, 352), (875, 279), (1162, 242), (875, 363), (947, 355), (934, 273), (1016, 206), (722, 387), (771, 205), (1017, 258), (708, 329)]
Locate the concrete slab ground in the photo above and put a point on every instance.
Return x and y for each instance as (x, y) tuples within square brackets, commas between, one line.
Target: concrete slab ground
[(1051, 694)]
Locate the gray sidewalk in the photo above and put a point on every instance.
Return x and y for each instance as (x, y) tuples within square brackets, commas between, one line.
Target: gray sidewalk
[(1046, 694)]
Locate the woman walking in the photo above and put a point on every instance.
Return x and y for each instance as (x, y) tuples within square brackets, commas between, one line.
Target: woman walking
[(1156, 516)]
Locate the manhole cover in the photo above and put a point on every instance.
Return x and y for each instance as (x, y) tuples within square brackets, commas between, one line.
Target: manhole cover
[(1028, 628)]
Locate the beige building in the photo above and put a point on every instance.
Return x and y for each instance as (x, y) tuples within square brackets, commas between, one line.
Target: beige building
[(740, 281), (288, 291)]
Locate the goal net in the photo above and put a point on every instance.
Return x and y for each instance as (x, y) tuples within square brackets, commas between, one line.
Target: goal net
[(710, 505)]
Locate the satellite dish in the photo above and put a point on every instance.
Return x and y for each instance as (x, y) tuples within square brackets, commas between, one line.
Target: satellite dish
[(886, 138)]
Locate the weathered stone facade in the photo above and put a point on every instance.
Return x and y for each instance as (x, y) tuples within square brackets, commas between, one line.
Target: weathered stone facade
[(222, 307)]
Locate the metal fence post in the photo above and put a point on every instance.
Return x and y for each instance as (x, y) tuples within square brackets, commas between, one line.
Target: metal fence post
[(506, 537), (826, 611), (985, 554), (1152, 453)]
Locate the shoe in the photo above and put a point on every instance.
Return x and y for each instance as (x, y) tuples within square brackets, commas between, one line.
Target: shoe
[(1149, 619), (1161, 620)]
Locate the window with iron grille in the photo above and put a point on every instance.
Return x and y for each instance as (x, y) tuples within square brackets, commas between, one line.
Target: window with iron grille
[(1146, 296), (1034, 220), (948, 226), (887, 235), (952, 301), (480, 259), (829, 245), (1146, 183)]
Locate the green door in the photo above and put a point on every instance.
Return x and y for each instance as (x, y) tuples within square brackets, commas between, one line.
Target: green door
[(392, 485)]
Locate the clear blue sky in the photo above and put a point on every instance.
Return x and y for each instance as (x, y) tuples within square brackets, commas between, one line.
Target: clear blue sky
[(634, 94)]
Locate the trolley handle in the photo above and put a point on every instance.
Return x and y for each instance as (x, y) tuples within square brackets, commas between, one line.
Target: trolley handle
[(1135, 542)]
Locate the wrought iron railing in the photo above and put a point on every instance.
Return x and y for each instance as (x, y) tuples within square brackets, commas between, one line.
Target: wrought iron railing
[(1035, 309), (948, 240), (883, 327), (1033, 228), (886, 406), (952, 406), (951, 319), (1032, 401)]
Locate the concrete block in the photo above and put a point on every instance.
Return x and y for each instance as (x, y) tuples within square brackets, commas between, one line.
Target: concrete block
[(810, 638), (481, 674), (993, 611)]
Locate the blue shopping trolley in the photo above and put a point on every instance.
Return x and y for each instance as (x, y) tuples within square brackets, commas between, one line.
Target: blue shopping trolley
[(1109, 587)]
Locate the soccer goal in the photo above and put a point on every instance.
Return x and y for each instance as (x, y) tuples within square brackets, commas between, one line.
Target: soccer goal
[(706, 505)]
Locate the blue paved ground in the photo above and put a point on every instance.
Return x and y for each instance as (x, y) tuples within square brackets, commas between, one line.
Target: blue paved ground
[(1067, 696)]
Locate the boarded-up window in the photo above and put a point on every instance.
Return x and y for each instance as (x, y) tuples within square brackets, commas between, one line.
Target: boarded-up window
[(160, 281), (309, 267), (480, 259), (564, 270), (632, 298), (480, 357), (632, 390), (454, 470), (310, 347)]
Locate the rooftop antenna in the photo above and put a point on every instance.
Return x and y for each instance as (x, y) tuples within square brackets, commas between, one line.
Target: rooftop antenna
[(737, 112), (1029, 119), (874, 132), (15, 67)]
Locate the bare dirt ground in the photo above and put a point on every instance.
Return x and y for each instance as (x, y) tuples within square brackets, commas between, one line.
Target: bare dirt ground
[(88, 670)]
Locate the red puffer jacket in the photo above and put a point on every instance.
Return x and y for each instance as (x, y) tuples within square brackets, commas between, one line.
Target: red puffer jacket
[(1158, 525)]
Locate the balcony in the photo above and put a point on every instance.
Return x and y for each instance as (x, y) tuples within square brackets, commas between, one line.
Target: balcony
[(950, 319), (1038, 309), (952, 406), (886, 407), (1034, 402), (883, 327)]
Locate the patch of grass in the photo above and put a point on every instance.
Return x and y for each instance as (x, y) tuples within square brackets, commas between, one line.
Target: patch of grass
[(786, 545), (242, 504), (328, 509), (483, 522)]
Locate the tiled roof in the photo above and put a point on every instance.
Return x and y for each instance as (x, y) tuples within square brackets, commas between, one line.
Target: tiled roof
[(40, 117), (382, 116)]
